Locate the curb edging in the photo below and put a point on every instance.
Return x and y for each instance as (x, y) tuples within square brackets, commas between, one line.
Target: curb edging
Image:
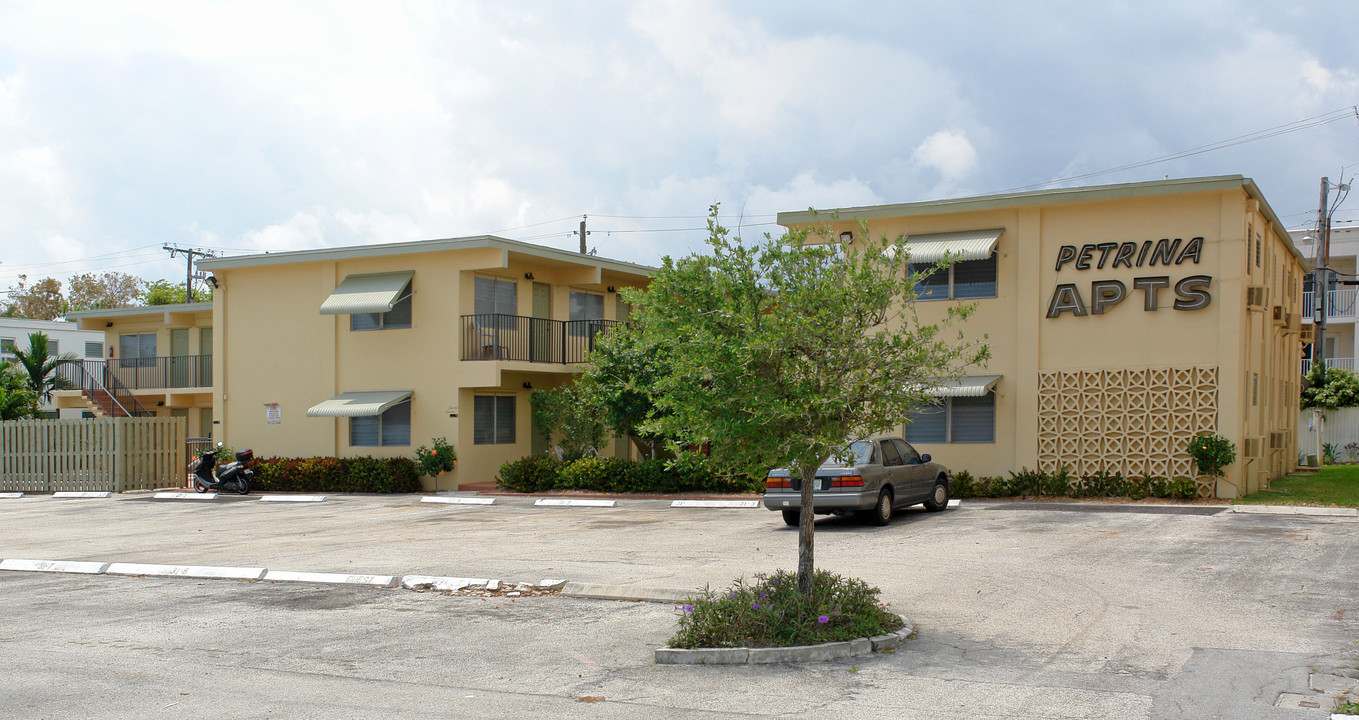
[(798, 653)]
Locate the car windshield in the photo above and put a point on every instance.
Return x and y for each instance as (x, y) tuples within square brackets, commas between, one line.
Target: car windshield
[(859, 452)]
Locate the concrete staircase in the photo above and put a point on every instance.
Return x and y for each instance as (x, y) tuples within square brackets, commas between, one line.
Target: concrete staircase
[(101, 403)]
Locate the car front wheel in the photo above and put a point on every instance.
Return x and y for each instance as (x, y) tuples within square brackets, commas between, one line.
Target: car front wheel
[(792, 517), (939, 500)]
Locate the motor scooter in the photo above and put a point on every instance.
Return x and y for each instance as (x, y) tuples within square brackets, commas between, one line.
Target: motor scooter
[(234, 476)]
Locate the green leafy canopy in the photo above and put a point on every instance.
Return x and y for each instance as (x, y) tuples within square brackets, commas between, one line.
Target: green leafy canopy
[(780, 351)]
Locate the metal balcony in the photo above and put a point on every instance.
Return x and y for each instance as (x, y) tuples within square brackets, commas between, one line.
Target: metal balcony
[(494, 336)]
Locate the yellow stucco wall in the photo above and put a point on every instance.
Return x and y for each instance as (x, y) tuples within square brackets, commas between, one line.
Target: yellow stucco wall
[(1089, 425), (275, 347)]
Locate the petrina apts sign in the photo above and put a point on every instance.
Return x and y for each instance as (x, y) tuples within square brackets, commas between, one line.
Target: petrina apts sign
[(1191, 292)]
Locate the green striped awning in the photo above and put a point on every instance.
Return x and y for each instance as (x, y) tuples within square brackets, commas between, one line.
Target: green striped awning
[(971, 386), (962, 245), (369, 293)]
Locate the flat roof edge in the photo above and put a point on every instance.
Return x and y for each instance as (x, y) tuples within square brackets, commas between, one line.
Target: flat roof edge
[(1018, 199), (142, 310), (420, 246)]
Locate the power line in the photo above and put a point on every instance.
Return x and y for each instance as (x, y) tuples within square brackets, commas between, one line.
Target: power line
[(1296, 126)]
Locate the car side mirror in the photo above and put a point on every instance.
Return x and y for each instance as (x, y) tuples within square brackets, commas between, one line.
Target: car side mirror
[(925, 458)]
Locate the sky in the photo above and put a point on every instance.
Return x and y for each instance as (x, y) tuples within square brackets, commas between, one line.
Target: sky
[(247, 127)]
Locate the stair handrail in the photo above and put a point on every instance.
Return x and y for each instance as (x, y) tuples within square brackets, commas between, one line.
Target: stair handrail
[(113, 387)]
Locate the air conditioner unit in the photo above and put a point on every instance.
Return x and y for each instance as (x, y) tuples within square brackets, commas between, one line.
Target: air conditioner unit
[(1279, 318), (1252, 447), (1292, 321), (1257, 296), (1278, 440), (1308, 333)]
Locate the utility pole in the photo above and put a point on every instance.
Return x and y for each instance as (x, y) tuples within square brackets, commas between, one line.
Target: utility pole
[(1321, 284), (583, 233), (189, 274)]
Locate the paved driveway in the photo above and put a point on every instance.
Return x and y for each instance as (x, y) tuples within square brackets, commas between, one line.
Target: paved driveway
[(1021, 611)]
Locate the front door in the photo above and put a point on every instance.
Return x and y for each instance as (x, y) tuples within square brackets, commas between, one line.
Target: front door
[(541, 336), (181, 369)]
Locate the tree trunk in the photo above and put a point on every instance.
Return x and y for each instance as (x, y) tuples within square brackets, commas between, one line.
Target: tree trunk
[(804, 535)]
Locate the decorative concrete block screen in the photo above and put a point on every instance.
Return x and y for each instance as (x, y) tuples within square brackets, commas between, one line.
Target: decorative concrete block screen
[(1135, 422)]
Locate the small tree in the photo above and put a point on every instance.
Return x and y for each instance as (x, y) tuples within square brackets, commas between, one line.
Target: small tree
[(780, 352), (104, 291), (621, 373), (1211, 453), (570, 415), (41, 301), (1330, 388), (41, 366), (164, 292), (17, 399)]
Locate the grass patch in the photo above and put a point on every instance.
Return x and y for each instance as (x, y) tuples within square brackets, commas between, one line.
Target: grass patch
[(1346, 706), (1330, 485), (770, 612)]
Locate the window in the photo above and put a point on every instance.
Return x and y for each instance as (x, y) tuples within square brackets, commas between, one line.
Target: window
[(137, 350), (7, 347), (585, 307), (955, 420), (961, 280), (94, 349), (493, 420), (494, 296), (398, 317), (53, 347), (391, 428)]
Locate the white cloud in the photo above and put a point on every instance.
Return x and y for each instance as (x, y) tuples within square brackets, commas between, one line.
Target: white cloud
[(949, 152)]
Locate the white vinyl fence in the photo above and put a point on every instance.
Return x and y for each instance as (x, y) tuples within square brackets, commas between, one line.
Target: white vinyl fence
[(104, 454), (1338, 427)]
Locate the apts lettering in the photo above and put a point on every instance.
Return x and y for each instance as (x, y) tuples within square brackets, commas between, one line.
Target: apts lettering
[(1191, 293)]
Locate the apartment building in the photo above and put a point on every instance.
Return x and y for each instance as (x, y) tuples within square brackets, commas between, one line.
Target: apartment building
[(1122, 319)]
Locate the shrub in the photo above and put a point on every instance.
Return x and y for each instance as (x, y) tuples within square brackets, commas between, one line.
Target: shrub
[(535, 473), (772, 613), (329, 474), (1211, 453), (1101, 484), (443, 458), (1058, 483), (1184, 488), (1024, 482)]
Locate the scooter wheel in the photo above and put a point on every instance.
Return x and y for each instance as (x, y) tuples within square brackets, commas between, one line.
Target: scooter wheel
[(199, 487), (243, 488)]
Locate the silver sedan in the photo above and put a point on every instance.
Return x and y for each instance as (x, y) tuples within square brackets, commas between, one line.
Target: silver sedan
[(870, 477)]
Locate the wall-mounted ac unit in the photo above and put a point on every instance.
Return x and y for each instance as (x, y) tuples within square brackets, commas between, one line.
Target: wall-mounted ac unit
[(1257, 296), (1278, 440), (1252, 447), (1308, 333), (1279, 318)]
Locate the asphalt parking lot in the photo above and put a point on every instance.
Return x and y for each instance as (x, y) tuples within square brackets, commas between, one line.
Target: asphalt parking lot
[(1020, 611)]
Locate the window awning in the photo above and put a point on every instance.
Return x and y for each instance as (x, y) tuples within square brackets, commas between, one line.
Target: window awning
[(358, 404), (369, 293), (971, 386), (963, 245)]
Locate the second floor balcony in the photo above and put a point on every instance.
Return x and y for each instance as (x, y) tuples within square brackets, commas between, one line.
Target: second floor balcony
[(494, 336), (1340, 303), (148, 373)]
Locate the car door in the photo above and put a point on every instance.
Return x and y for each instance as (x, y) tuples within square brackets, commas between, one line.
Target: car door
[(919, 480), (892, 470)]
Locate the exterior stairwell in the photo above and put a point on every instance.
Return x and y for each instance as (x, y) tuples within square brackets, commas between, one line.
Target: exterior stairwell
[(101, 403)]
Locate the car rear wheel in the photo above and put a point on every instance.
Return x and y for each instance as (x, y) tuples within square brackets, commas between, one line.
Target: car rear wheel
[(939, 500), (882, 512), (792, 517)]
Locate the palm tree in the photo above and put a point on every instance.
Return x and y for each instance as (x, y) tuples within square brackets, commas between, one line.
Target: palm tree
[(17, 401), (42, 367)]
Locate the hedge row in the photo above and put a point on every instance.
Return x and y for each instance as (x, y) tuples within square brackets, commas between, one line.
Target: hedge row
[(1062, 484), (616, 475), (329, 474)]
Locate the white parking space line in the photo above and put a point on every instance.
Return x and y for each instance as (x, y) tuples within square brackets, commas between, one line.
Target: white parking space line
[(562, 502), (458, 500), (187, 571), (292, 498), (185, 496), (56, 566), (384, 581), (69, 494), (715, 503)]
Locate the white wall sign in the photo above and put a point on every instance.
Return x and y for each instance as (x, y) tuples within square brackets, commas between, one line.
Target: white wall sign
[(273, 414)]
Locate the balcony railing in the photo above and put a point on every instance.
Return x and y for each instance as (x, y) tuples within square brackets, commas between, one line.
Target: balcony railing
[(1340, 303), (1343, 363), (154, 373), (529, 339)]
